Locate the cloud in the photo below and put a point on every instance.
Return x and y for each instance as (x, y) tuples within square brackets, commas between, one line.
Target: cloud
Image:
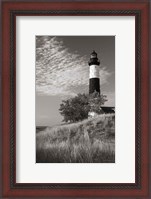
[(59, 71)]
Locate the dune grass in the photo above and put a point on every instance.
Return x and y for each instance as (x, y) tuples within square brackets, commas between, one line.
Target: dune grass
[(88, 141)]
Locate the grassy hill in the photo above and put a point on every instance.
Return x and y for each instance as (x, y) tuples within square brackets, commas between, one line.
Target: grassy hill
[(88, 141)]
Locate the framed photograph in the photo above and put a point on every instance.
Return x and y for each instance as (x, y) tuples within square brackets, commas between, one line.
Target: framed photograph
[(75, 98)]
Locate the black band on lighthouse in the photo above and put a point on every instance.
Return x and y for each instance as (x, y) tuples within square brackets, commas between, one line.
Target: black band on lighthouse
[(94, 85)]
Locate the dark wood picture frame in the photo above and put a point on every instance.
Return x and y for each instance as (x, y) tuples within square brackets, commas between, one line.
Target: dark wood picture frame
[(138, 9)]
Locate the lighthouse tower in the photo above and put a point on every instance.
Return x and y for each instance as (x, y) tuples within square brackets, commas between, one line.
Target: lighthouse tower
[(94, 80)]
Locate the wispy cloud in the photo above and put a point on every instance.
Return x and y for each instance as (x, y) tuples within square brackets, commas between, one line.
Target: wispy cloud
[(59, 71)]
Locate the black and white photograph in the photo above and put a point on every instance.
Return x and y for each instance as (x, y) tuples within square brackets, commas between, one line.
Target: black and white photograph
[(75, 99)]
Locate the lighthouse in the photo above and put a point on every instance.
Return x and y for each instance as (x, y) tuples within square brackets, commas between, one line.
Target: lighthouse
[(94, 79)]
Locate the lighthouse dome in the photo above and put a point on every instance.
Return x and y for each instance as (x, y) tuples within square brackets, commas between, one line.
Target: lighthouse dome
[(93, 54), (93, 59)]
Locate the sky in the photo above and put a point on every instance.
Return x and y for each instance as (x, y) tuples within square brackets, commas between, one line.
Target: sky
[(62, 71)]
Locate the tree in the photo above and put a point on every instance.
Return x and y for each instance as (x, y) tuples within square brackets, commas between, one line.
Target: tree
[(77, 108), (95, 101)]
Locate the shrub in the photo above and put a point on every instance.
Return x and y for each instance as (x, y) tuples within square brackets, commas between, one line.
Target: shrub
[(77, 108)]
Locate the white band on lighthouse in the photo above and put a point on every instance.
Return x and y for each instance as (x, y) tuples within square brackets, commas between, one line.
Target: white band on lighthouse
[(94, 71)]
